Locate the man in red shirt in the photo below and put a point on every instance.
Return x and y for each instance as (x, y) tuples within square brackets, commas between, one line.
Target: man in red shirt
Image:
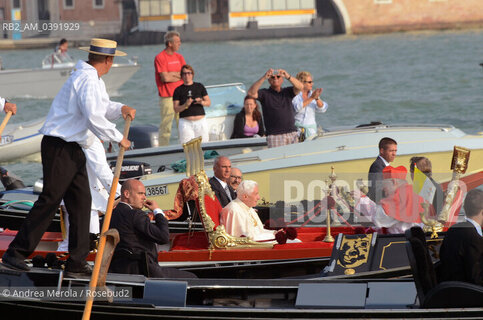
[(167, 66)]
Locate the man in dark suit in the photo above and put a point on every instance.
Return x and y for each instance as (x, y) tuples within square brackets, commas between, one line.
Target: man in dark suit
[(220, 182), (387, 154), (461, 253), (136, 252)]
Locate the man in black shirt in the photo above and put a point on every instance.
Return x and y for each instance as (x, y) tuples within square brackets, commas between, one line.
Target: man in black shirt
[(461, 253), (278, 111)]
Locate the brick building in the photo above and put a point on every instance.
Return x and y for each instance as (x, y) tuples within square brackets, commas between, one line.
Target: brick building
[(73, 19)]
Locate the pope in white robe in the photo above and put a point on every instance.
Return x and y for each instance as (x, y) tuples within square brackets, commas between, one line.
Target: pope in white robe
[(239, 217)]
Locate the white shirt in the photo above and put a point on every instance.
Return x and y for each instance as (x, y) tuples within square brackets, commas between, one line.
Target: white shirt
[(223, 183), (241, 220), (83, 104), (477, 226), (384, 160), (306, 116), (375, 213), (2, 104)]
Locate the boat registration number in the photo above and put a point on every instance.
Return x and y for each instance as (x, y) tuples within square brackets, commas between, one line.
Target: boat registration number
[(6, 140), (157, 190)]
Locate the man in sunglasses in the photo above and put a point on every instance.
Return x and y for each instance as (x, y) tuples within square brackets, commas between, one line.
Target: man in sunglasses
[(278, 112)]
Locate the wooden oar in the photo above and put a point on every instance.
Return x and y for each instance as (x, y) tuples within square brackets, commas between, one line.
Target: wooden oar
[(105, 226), (4, 122)]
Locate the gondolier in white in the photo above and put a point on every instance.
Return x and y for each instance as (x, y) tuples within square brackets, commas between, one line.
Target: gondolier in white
[(7, 106), (82, 104)]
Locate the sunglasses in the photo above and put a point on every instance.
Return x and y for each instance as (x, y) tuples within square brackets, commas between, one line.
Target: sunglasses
[(273, 77), (184, 73), (308, 81)]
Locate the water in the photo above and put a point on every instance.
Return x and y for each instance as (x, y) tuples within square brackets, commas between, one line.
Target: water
[(421, 77)]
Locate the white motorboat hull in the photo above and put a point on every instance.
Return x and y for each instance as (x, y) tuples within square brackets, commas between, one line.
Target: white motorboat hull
[(46, 83), (21, 141), (157, 157)]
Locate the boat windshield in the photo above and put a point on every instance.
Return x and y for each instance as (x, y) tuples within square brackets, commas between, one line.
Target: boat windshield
[(226, 99), (57, 60)]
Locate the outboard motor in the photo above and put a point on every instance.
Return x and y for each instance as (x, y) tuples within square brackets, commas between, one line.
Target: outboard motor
[(145, 136), (10, 181), (132, 169)]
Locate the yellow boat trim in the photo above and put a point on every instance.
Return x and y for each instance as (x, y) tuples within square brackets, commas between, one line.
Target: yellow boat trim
[(440, 163), (270, 13), (164, 17)]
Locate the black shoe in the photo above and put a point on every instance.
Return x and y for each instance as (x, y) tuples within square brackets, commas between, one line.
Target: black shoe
[(14, 263), (84, 269)]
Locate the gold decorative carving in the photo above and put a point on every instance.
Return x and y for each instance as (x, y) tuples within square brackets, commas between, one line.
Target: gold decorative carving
[(459, 164), (354, 252), (430, 225), (332, 177), (217, 237), (349, 272), (461, 157)]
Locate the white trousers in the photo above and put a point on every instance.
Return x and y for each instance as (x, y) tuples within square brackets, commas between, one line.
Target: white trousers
[(189, 129)]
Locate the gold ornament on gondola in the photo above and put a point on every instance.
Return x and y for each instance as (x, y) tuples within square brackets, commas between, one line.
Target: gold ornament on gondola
[(217, 236), (459, 165)]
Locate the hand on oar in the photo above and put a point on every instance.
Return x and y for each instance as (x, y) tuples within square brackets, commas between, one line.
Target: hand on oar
[(4, 122), (128, 111), (10, 107), (125, 143)]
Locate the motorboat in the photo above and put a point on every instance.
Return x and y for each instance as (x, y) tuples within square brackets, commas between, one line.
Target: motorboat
[(21, 141), (226, 102), (45, 82), (295, 172)]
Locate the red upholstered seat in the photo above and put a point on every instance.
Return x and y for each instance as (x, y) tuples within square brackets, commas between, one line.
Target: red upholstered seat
[(190, 241), (213, 209)]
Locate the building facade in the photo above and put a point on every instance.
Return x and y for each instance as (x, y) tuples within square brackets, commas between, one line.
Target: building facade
[(156, 15), (73, 19), (353, 16)]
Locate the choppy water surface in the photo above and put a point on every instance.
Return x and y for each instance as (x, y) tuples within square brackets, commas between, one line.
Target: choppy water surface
[(423, 77)]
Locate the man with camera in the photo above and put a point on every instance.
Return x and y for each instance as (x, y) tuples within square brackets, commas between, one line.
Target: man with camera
[(278, 112)]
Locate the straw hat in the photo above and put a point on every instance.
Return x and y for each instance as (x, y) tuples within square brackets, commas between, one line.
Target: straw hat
[(103, 47)]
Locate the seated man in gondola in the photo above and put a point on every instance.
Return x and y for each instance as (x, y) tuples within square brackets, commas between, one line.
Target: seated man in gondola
[(239, 217), (399, 210), (462, 249), (136, 252)]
